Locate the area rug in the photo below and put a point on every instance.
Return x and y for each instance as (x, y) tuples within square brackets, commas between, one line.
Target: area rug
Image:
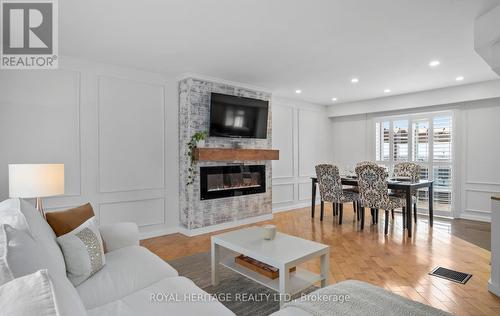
[(240, 294)]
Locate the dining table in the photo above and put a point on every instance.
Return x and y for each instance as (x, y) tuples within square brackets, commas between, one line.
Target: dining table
[(408, 187)]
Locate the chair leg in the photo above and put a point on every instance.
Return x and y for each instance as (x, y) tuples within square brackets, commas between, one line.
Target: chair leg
[(322, 210), (341, 212), (358, 206), (415, 212), (372, 211), (354, 206), (403, 209), (376, 216), (362, 217), (392, 213), (386, 225)]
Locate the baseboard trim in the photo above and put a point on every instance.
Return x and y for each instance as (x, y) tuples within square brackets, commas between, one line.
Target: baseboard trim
[(285, 208), (214, 228), (472, 217), (158, 233), (493, 288)]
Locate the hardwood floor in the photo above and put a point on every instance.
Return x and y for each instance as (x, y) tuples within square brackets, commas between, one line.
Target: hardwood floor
[(395, 262)]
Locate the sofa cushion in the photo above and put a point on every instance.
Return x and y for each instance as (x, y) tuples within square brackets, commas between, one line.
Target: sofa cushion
[(40, 231), (20, 255), (30, 295), (127, 270), (63, 222), (172, 296)]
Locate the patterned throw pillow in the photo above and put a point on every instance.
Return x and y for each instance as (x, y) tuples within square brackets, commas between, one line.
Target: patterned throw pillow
[(83, 251)]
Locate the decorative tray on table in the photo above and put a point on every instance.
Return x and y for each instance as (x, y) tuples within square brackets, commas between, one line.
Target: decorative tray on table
[(259, 267)]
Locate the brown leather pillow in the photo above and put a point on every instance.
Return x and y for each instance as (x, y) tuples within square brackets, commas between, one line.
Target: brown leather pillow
[(65, 221)]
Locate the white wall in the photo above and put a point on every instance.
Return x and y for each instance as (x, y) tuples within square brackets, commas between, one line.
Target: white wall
[(477, 154), (480, 157), (115, 129), (301, 133)]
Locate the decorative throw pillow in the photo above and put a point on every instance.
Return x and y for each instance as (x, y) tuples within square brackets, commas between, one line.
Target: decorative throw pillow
[(63, 222), (83, 251), (30, 295)]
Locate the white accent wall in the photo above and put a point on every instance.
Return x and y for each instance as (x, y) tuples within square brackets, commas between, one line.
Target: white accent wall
[(115, 130), (301, 133), (477, 149)]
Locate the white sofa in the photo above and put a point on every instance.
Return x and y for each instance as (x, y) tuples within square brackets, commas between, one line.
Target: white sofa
[(124, 286)]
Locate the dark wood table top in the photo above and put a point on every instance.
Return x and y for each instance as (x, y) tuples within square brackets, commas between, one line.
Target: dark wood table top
[(392, 184)]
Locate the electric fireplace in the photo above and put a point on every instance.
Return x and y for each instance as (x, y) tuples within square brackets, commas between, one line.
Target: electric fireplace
[(233, 180)]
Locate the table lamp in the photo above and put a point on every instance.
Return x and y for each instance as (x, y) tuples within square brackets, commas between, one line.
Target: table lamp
[(36, 181)]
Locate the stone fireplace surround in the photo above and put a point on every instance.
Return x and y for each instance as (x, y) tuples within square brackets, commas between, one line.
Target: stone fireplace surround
[(194, 109)]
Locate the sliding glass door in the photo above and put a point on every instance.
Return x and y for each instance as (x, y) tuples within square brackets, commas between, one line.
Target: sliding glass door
[(425, 139)]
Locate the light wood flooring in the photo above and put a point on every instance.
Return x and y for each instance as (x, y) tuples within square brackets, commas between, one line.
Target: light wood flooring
[(395, 262)]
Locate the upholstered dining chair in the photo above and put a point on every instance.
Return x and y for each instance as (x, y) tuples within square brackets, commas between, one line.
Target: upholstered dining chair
[(410, 170), (330, 189), (373, 192), (374, 211)]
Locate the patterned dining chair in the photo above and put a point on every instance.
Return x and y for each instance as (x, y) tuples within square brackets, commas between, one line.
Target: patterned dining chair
[(410, 170), (373, 211), (373, 192), (330, 189)]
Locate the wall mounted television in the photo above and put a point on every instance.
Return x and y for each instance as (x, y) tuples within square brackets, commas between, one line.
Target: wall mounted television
[(237, 117)]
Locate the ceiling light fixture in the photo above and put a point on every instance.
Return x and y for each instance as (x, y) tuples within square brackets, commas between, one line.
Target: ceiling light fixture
[(459, 78), (434, 63), (354, 80), (298, 91), (387, 90), (334, 99)]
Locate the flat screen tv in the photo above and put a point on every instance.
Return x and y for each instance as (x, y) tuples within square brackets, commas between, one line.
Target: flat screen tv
[(237, 117)]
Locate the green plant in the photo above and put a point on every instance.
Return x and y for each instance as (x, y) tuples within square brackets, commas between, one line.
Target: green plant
[(191, 145)]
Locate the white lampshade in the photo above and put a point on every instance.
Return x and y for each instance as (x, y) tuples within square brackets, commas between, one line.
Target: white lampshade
[(36, 180)]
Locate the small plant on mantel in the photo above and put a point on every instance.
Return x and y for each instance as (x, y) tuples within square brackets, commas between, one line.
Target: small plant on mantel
[(191, 145)]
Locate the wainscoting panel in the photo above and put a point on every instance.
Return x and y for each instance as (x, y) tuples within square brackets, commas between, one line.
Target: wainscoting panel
[(142, 212), (301, 132), (283, 125), (305, 191), (283, 193), (131, 135), (482, 133), (312, 147), (40, 123)]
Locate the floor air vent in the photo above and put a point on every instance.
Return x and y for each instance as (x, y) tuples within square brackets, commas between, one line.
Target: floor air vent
[(451, 275)]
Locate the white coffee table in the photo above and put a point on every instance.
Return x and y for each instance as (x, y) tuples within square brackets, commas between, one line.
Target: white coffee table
[(284, 252)]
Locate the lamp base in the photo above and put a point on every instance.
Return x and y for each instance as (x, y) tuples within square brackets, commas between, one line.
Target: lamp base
[(39, 206)]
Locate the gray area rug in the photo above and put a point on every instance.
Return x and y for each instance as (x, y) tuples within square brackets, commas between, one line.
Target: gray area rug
[(245, 297)]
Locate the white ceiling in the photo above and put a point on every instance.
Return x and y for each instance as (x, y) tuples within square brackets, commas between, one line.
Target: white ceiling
[(283, 45)]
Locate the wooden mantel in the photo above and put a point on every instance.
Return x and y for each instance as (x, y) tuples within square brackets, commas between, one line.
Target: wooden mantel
[(234, 154)]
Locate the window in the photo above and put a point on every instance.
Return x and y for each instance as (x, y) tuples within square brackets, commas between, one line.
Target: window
[(425, 139)]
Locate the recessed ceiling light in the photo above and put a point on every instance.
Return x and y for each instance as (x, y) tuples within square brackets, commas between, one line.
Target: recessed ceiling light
[(334, 99), (354, 80), (298, 91), (434, 63), (387, 90), (459, 78)]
